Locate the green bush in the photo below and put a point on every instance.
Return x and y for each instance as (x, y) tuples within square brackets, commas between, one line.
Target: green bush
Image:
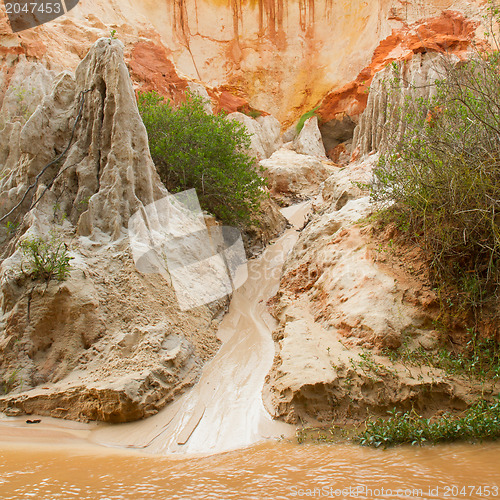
[(443, 175), (194, 149), (479, 422), (45, 258)]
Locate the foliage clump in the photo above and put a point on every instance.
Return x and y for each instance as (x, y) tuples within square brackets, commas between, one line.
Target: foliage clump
[(442, 176), (478, 423), (194, 149), (45, 259)]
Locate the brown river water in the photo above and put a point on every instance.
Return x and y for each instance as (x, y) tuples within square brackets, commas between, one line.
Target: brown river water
[(218, 442), (265, 471)]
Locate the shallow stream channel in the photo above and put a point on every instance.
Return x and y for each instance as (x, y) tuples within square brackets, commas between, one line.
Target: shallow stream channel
[(217, 441)]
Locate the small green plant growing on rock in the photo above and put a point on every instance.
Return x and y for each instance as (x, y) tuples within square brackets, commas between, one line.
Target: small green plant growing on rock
[(253, 113), (11, 227), (45, 259), (304, 118), (59, 215), (8, 384), (23, 110)]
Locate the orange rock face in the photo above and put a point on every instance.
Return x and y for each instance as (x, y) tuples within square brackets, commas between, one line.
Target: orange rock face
[(151, 69), (449, 33), (281, 56), (150, 62), (228, 101), (284, 56)]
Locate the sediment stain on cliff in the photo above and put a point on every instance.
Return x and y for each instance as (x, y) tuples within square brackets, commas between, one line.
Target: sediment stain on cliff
[(271, 16)]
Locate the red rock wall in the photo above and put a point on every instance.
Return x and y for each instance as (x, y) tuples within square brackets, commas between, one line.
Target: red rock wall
[(286, 55)]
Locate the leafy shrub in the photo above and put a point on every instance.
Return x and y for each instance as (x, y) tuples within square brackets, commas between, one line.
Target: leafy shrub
[(443, 175), (194, 149), (45, 259), (479, 422)]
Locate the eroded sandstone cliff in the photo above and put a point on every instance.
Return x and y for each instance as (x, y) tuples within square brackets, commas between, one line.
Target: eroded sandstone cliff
[(358, 326), (108, 343), (359, 329)]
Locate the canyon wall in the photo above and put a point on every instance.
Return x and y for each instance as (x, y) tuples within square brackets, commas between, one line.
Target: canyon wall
[(283, 56), (278, 56)]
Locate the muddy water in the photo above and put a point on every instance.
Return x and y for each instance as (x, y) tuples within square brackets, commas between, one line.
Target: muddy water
[(224, 411), (269, 471)]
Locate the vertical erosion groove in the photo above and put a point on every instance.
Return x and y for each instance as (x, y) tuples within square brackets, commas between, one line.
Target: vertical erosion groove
[(271, 17)]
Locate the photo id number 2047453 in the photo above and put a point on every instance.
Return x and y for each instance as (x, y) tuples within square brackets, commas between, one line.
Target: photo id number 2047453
[(33, 7)]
